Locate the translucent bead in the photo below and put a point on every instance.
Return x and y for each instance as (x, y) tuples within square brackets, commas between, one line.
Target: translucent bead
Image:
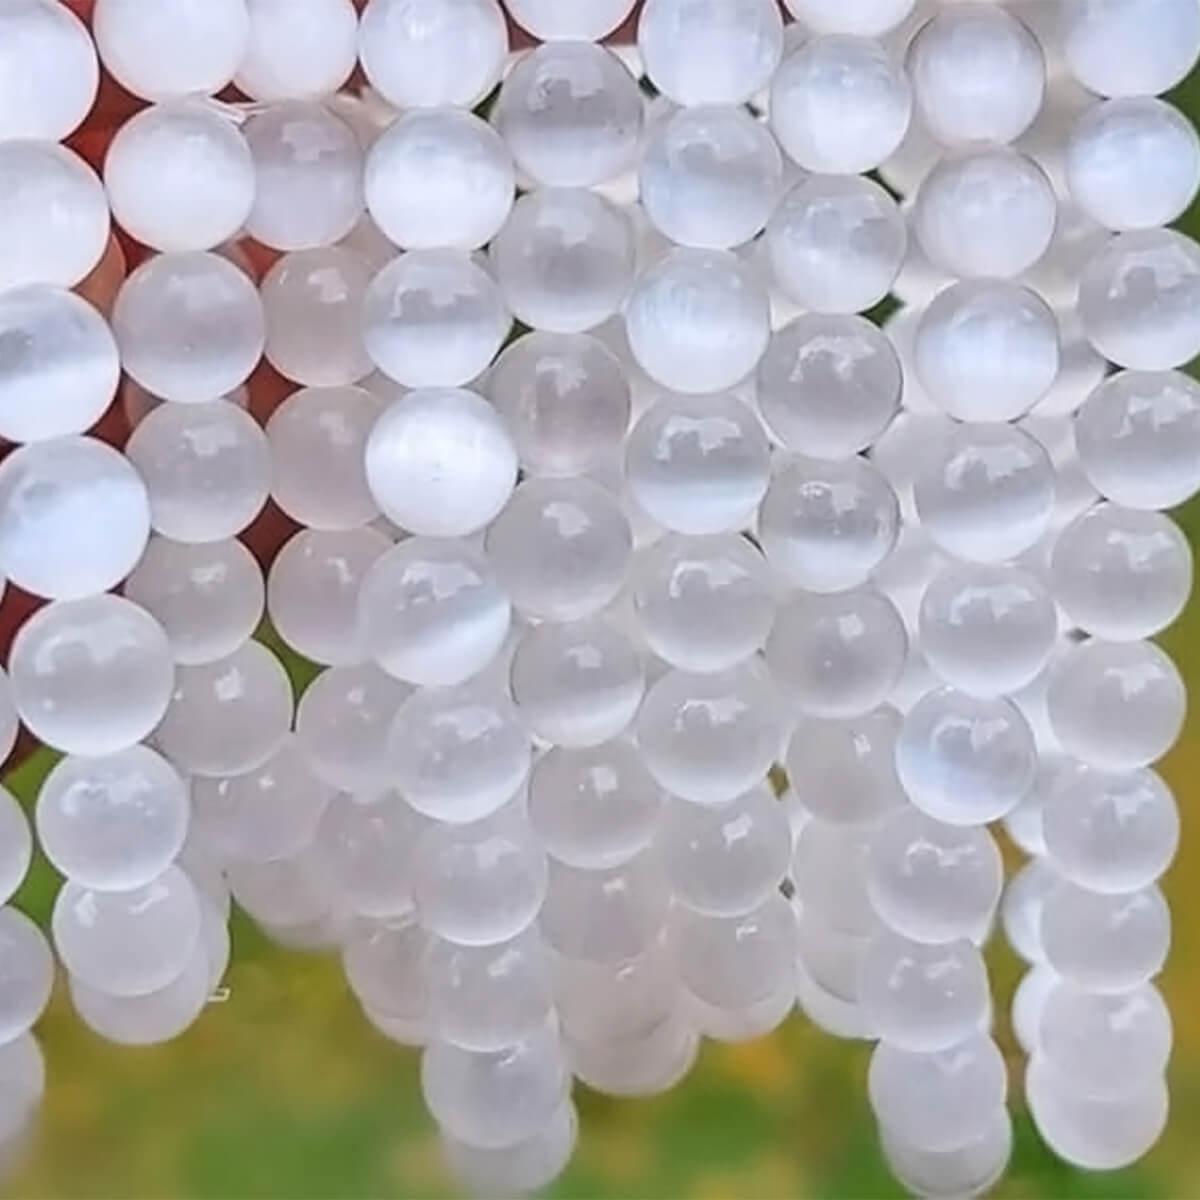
[(292, 895), (697, 321), (986, 492), (382, 961), (844, 771), (229, 716), (987, 350), (710, 177), (698, 465), (1116, 705), (1105, 943), (924, 998), (1139, 300), (985, 212), (708, 52), (49, 70), (190, 326), (26, 974), (725, 860), (829, 875), (828, 385), (178, 48), (564, 259), (1138, 437), (458, 754), (1028, 1004), (940, 1100), (933, 882), (16, 842), (577, 684), (495, 1099), (970, 1170), (561, 548), (23, 1069), (298, 51), (840, 105), (440, 462), (313, 589), (309, 168), (1021, 910), (570, 20), (964, 760), (646, 1063), (54, 223), (825, 526), (607, 1003), (207, 469), (128, 943), (428, 53), (566, 401), (866, 18), (1130, 47), (710, 738), (836, 243), (978, 75)]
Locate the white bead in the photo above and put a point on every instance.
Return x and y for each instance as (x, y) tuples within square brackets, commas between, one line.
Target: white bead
[(829, 875), (866, 18), (1021, 910), (840, 105), (523, 1168), (571, 113), (646, 1063), (26, 974), (190, 327), (298, 51), (440, 462), (711, 52), (17, 841), (973, 1169), (570, 20), (430, 53), (836, 243), (985, 212), (284, 894), (1028, 1003), (381, 960), (54, 223)]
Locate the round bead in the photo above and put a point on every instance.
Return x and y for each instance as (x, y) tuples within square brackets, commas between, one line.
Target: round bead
[(866, 18), (54, 223), (1139, 300), (840, 105), (190, 326), (697, 321), (710, 177), (382, 962), (17, 843), (1116, 705), (26, 975), (569, 20), (298, 51), (836, 243), (698, 465), (571, 114), (973, 1169), (521, 1169), (829, 875), (985, 212), (564, 259), (440, 462)]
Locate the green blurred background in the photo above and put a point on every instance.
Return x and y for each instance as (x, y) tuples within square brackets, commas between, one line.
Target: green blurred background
[(285, 1091)]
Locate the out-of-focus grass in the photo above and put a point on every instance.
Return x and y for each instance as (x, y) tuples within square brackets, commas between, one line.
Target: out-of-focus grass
[(284, 1091)]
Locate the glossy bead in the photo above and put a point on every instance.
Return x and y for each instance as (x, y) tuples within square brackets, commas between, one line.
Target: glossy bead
[(574, 20), (866, 18), (17, 842), (527, 1166), (298, 51), (26, 974)]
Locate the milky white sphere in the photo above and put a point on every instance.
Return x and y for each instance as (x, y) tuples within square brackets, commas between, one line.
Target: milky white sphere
[(429, 53), (17, 842), (190, 326), (1105, 943), (987, 493), (564, 259), (593, 807), (60, 369), (298, 51), (866, 18), (969, 1170), (520, 1169), (571, 114), (458, 754), (840, 105), (566, 401), (309, 169), (54, 223), (561, 548), (648, 1062), (711, 52), (23, 1069), (710, 177), (91, 676), (922, 997), (206, 466), (985, 212), (611, 1002), (439, 178), (986, 350), (440, 462), (836, 243), (26, 974), (381, 960), (229, 716), (698, 465), (1021, 910), (1130, 47), (709, 738), (978, 75), (48, 70), (128, 943), (1139, 300), (570, 20)]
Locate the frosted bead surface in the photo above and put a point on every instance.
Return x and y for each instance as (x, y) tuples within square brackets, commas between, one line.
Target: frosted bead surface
[(866, 18), (526, 1166), (17, 842), (570, 20), (26, 975), (298, 51)]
